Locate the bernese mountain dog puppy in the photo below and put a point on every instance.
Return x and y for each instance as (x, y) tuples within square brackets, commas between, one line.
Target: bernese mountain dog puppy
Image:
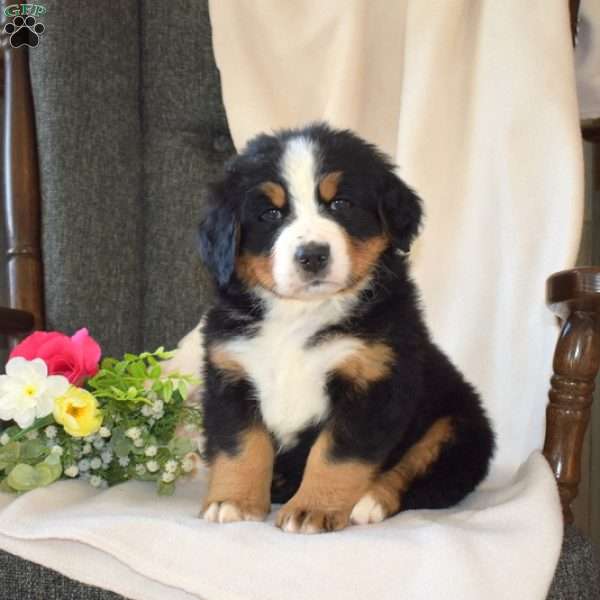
[(323, 389)]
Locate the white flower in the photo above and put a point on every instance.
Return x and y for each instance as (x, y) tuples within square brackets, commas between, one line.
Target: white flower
[(4, 439), (32, 435), (157, 406), (57, 450), (104, 432), (51, 431), (95, 463), (138, 443), (146, 410), (27, 392), (72, 471), (171, 466), (159, 415), (87, 448), (84, 465), (96, 481), (168, 477), (124, 461), (151, 451), (133, 433), (188, 463), (140, 469), (152, 466), (99, 444), (107, 456)]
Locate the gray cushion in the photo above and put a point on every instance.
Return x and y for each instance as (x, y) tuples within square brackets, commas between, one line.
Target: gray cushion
[(131, 128), (86, 83), (185, 141), (578, 572)]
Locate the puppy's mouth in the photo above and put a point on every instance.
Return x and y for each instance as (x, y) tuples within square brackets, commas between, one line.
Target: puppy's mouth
[(317, 288)]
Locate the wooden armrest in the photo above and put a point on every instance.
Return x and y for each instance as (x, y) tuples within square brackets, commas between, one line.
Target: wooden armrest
[(574, 296), (13, 321)]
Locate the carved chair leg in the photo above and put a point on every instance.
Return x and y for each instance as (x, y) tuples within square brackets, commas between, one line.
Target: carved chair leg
[(575, 296)]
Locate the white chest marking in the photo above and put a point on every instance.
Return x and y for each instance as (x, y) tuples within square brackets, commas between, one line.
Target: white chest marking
[(289, 378)]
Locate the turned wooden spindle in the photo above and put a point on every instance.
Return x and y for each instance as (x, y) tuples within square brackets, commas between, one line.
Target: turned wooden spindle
[(575, 297), (22, 188)]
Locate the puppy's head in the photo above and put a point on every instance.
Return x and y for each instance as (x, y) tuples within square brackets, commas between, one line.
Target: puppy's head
[(306, 214)]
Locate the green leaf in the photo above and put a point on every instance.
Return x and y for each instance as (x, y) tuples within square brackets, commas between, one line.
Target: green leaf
[(23, 478), (33, 450), (182, 388), (166, 489), (47, 473), (108, 363), (154, 371), (167, 390), (5, 488), (10, 454), (122, 447), (137, 369), (180, 446)]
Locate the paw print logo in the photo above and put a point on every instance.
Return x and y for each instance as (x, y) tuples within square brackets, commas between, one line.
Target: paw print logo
[(24, 31)]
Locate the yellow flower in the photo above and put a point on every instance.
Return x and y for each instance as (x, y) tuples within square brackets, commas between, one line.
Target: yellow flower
[(77, 411)]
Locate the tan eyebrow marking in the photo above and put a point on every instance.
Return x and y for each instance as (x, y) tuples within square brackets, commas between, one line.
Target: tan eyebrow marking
[(275, 193), (328, 185)]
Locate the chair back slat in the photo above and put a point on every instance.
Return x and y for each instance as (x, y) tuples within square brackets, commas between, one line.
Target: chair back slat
[(22, 196)]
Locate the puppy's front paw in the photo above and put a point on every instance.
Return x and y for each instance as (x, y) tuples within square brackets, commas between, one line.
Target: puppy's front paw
[(368, 510), (309, 519), (231, 511)]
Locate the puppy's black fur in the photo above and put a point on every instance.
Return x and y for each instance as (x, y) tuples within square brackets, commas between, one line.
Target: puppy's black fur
[(376, 425)]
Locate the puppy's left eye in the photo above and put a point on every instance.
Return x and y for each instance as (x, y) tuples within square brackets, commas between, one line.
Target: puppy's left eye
[(339, 204), (272, 215)]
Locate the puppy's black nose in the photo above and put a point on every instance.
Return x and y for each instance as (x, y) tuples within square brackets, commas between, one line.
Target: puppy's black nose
[(312, 257)]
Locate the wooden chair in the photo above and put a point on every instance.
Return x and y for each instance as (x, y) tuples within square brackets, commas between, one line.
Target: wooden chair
[(573, 295)]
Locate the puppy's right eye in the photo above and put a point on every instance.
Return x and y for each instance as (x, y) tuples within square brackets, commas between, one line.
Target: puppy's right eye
[(272, 215)]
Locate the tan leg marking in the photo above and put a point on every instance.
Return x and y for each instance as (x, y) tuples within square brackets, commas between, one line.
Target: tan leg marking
[(256, 269), (371, 363), (328, 491), (239, 487), (225, 362), (383, 498)]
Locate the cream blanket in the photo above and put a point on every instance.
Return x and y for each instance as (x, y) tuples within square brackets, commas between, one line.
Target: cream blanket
[(476, 100), (499, 544)]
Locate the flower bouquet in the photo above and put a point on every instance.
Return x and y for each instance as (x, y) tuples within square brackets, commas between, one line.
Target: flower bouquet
[(106, 423)]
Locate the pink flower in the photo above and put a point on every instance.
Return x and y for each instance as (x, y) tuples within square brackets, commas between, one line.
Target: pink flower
[(76, 357)]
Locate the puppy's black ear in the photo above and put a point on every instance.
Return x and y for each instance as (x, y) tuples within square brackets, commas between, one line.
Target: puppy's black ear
[(218, 237), (400, 210)]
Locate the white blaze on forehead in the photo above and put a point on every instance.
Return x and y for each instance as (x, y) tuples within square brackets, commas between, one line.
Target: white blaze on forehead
[(300, 168)]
